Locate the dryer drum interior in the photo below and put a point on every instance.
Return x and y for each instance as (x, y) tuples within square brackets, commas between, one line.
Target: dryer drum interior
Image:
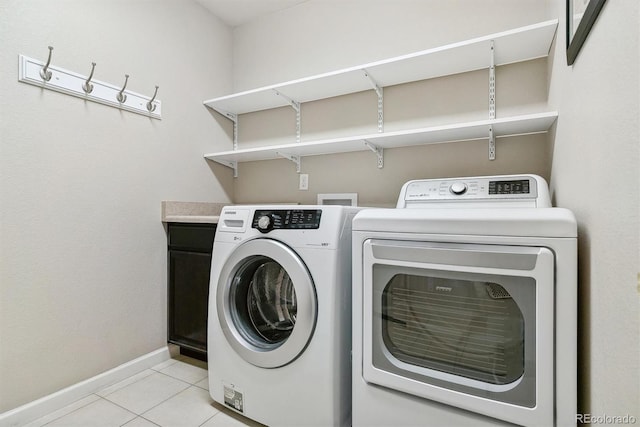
[(468, 328)]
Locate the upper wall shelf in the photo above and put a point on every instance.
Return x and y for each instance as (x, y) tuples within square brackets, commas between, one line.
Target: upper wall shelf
[(520, 44)]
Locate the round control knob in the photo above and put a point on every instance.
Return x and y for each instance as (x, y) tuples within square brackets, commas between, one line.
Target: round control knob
[(458, 188), (265, 223)]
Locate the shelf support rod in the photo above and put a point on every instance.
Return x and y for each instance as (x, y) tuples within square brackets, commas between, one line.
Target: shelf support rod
[(492, 100), (492, 144), (492, 84), (296, 106), (380, 93), (294, 159), (379, 152), (234, 118)]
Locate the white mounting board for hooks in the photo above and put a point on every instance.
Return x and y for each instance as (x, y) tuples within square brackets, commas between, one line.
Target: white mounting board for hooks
[(70, 83)]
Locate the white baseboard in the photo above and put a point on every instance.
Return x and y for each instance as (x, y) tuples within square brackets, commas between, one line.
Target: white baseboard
[(38, 408)]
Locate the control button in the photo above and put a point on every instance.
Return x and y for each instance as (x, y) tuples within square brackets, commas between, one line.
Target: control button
[(458, 188), (265, 223)]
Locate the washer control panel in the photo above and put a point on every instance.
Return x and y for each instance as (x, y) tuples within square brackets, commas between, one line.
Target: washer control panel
[(286, 219), (514, 189)]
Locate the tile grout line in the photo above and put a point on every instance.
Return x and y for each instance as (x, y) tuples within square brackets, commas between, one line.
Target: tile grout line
[(159, 403), (176, 361), (166, 364), (125, 386), (140, 416), (201, 388), (105, 397), (168, 398), (71, 412), (179, 379), (121, 407), (209, 419)]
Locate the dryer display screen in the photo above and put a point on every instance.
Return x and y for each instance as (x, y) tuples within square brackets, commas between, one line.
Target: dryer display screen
[(293, 219), (509, 187)]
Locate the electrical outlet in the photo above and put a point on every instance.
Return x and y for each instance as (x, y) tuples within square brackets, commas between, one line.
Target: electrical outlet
[(304, 181)]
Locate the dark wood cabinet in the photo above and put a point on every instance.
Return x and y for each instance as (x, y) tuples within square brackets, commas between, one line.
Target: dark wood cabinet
[(189, 262)]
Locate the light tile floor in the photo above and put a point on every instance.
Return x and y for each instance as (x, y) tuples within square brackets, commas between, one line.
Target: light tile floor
[(172, 394)]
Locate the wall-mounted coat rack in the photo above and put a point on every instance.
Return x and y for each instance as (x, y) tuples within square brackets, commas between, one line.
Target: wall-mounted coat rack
[(50, 77)]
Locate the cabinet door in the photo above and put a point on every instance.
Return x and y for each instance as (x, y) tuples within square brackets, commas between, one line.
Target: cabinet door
[(188, 298), (191, 237)]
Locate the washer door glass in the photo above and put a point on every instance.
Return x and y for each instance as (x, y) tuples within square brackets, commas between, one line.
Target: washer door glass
[(266, 303)]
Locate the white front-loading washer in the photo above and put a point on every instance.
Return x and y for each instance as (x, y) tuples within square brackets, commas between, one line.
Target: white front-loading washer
[(465, 306), (279, 326)]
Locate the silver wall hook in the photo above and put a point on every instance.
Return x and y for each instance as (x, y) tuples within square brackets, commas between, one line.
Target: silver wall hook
[(87, 87), (150, 106), (45, 73), (121, 97)]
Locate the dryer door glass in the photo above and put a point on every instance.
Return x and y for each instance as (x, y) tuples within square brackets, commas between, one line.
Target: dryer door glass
[(459, 317), (469, 328)]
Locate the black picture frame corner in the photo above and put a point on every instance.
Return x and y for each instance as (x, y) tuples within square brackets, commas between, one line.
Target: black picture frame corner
[(575, 43)]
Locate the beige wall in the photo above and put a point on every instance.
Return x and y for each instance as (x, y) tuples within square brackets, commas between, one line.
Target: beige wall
[(595, 173), (82, 248), (325, 35), (297, 42), (592, 157), (82, 256)]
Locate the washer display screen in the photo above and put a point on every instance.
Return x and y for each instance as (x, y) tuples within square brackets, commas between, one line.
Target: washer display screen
[(291, 219)]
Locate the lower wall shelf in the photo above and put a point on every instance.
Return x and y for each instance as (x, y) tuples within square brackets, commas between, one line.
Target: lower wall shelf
[(478, 130)]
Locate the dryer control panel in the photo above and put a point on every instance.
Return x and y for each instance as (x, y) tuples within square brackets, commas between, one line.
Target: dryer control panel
[(286, 219), (488, 191)]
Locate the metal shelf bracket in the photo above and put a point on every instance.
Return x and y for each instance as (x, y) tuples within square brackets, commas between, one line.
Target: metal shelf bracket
[(294, 159), (380, 92), (379, 152), (492, 144), (296, 106), (230, 164)]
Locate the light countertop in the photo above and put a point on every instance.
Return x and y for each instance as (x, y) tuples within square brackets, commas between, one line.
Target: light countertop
[(195, 212)]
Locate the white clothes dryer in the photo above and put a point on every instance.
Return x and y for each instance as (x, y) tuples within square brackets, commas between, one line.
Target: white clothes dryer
[(279, 335), (464, 306)]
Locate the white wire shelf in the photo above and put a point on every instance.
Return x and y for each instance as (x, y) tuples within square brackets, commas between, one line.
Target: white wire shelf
[(520, 44), (477, 130)]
